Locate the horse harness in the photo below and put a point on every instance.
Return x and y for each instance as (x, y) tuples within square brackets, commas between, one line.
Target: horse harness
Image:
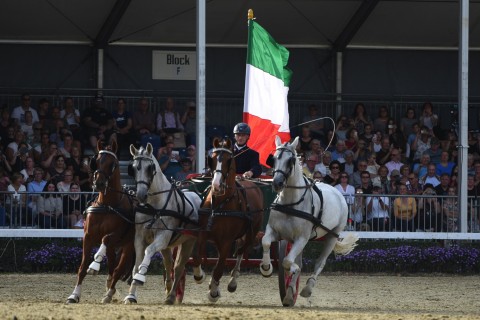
[(217, 210), (101, 208), (289, 208), (93, 164), (157, 214)]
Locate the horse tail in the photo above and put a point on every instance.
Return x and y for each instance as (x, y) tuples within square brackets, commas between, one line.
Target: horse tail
[(346, 245)]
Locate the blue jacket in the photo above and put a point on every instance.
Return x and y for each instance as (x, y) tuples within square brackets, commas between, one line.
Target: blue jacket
[(247, 159)]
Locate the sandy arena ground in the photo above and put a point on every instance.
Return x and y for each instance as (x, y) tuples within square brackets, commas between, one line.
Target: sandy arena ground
[(43, 296)]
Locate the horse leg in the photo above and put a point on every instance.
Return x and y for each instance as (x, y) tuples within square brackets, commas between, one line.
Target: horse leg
[(183, 254), (82, 270), (125, 256), (94, 267), (319, 265), (266, 267), (111, 265), (139, 254), (198, 273), (232, 284), (289, 261), (223, 250), (168, 264)]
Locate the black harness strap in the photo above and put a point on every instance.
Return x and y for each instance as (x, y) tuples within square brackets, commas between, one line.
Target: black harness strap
[(300, 214), (107, 209), (317, 221), (320, 195), (156, 213)]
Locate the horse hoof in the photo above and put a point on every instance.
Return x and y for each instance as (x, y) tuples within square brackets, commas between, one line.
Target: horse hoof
[(306, 292), (73, 299), (232, 287), (200, 279), (130, 299), (266, 272), (169, 300), (107, 299), (288, 300), (213, 299)]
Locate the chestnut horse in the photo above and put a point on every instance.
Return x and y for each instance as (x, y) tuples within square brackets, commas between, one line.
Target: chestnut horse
[(232, 211), (110, 222)]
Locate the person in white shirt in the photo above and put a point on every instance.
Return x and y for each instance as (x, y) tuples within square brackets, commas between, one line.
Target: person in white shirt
[(377, 210), (394, 163), (18, 113), (168, 120), (431, 176)]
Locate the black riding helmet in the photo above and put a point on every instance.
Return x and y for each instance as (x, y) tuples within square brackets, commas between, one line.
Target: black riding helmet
[(242, 127)]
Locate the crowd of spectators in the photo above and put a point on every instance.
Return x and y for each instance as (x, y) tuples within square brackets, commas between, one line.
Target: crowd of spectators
[(43, 159), (395, 173), (369, 158)]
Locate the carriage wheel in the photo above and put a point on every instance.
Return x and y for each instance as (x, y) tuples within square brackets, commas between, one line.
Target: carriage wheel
[(283, 278)]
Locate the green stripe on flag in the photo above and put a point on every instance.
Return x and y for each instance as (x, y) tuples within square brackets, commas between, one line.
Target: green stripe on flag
[(266, 54)]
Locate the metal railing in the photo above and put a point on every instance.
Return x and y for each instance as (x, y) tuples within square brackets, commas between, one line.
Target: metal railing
[(21, 218)]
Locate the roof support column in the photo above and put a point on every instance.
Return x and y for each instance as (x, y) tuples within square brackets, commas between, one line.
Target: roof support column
[(463, 113), (200, 85), (338, 81), (100, 68)]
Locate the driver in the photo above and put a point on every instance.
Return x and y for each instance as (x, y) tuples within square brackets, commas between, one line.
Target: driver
[(246, 159)]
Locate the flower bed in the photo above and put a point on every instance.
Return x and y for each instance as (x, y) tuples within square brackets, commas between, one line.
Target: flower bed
[(373, 256), (406, 259)]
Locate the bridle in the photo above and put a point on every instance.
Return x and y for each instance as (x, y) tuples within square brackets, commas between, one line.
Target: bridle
[(291, 161), (152, 174), (220, 155), (100, 171)]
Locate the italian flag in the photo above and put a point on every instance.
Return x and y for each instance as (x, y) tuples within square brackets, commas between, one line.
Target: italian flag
[(267, 78)]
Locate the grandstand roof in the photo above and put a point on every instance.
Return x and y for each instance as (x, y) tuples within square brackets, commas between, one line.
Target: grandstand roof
[(335, 24)]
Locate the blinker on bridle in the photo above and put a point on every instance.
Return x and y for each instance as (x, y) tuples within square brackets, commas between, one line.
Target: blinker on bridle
[(220, 152), (107, 176), (292, 160), (151, 163)]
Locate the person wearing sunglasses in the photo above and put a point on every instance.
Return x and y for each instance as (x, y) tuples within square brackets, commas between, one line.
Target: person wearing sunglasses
[(333, 177)]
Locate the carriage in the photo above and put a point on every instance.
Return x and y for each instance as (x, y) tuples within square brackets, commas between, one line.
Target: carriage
[(232, 211)]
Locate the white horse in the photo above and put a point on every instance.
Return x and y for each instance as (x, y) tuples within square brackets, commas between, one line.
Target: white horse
[(162, 220), (295, 217)]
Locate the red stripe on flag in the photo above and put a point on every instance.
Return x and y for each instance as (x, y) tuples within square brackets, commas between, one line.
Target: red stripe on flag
[(262, 138)]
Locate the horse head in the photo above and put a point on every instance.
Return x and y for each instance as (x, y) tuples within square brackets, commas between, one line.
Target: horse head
[(143, 169), (222, 164), (104, 165), (285, 158)]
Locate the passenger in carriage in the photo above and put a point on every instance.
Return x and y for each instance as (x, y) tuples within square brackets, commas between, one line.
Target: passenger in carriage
[(246, 160)]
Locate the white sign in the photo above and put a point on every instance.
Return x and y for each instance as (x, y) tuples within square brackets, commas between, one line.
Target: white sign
[(174, 65)]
